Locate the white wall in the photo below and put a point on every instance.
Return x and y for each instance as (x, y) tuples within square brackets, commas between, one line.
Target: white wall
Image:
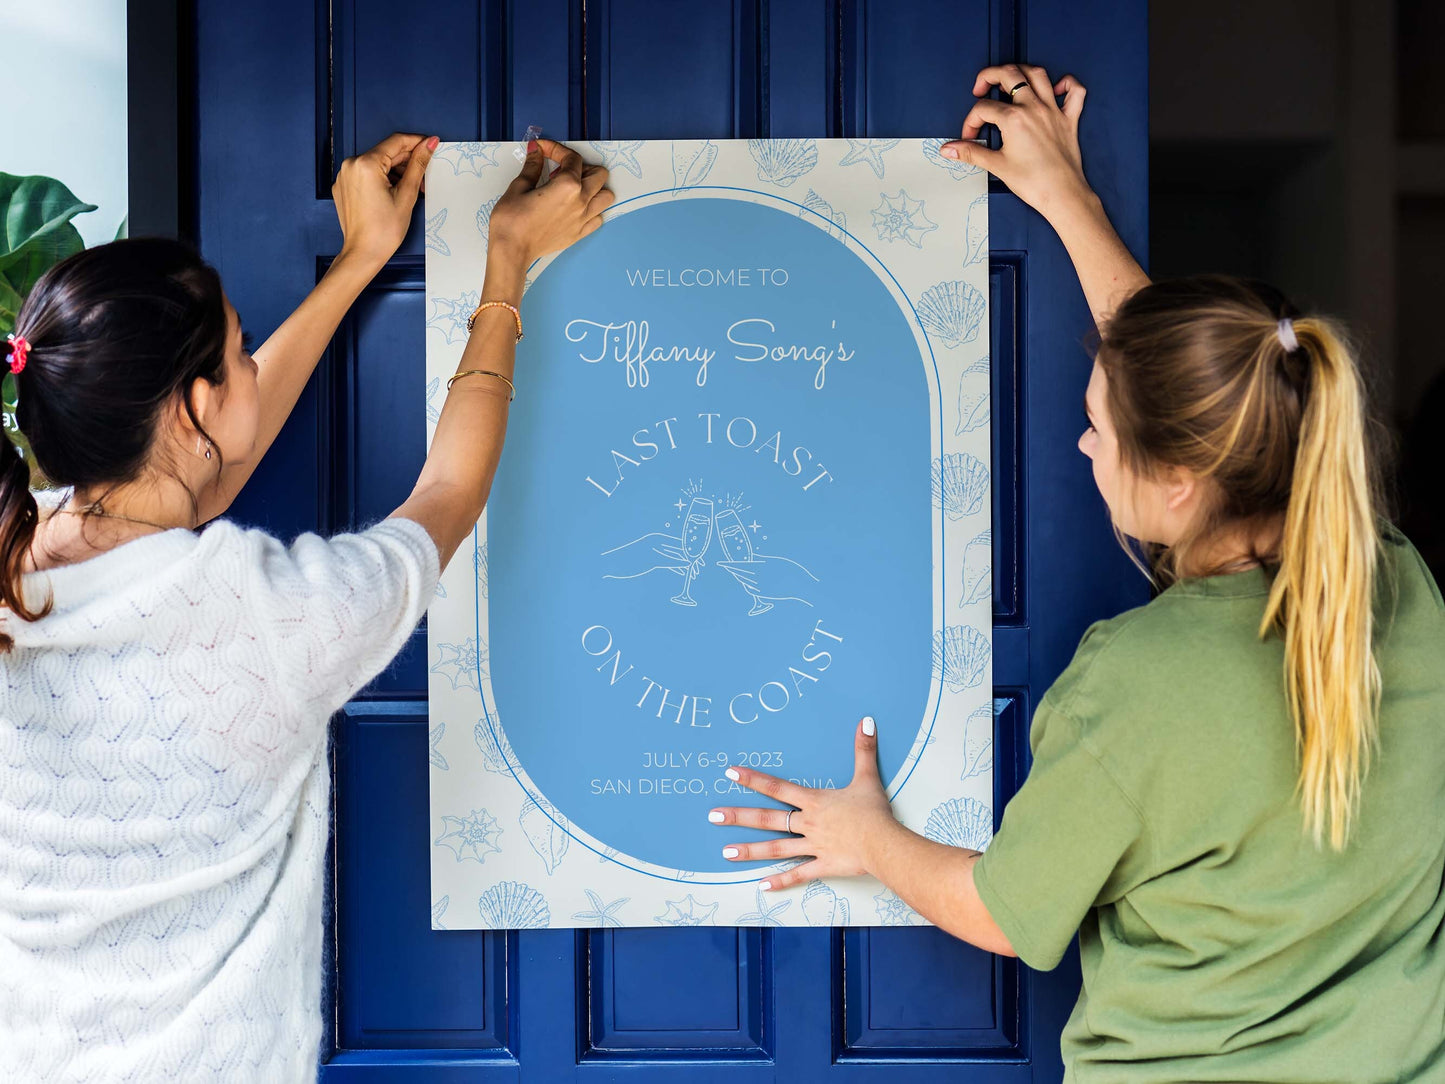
[(65, 70)]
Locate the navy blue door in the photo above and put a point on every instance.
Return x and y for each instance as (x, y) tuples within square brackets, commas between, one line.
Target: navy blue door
[(285, 90)]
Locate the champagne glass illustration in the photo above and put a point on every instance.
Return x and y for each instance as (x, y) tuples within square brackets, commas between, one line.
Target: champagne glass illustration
[(738, 546), (696, 537)]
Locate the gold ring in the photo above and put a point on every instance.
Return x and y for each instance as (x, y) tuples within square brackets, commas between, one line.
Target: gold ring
[(1018, 88)]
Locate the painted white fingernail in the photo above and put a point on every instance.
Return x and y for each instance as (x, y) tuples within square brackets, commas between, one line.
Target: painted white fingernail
[(715, 817), (730, 852), (869, 726), (732, 773), (766, 885)]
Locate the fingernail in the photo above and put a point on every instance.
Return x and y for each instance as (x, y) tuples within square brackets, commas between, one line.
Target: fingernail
[(766, 885), (431, 144), (869, 726), (949, 152), (532, 146), (730, 852), (732, 773), (715, 817)]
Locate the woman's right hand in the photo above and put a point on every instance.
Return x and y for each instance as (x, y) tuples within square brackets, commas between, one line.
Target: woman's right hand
[(1040, 159), (534, 218)]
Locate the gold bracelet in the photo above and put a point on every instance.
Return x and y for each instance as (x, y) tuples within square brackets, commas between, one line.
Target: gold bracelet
[(511, 388), (472, 319)]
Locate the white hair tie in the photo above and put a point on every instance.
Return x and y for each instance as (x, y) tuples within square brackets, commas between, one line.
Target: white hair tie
[(1285, 331)]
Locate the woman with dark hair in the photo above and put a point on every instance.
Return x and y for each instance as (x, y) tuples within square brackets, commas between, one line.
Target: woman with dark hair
[(1237, 796), (163, 805)]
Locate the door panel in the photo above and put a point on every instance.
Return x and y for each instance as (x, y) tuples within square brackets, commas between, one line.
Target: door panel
[(285, 90)]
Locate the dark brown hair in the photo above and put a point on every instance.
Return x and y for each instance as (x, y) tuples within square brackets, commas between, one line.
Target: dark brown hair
[(116, 333)]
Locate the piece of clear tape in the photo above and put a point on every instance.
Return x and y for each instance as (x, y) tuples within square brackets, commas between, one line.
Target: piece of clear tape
[(519, 152)]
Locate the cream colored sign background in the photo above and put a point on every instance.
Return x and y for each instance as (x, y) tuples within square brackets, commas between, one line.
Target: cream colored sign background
[(502, 856)]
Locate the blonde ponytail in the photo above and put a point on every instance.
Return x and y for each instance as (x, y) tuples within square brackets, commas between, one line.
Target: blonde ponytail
[(1211, 374), (1322, 601)]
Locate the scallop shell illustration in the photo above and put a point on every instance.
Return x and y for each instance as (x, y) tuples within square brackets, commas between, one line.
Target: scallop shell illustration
[(783, 161), (817, 204), (546, 831), (953, 311), (961, 822), (978, 569), (960, 656), (978, 742), (692, 161), (484, 219), (497, 755), (933, 151), (960, 482), (973, 402), (824, 907), (512, 905), (977, 231)]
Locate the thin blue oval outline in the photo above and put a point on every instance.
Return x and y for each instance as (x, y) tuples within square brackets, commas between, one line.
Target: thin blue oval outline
[(942, 543)]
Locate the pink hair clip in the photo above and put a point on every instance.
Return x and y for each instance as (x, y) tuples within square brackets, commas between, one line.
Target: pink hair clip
[(19, 352)]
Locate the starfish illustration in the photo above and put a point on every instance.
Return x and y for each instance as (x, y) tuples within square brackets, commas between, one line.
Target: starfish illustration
[(473, 836), (434, 233), (870, 151), (449, 314), (469, 157), (687, 912), (619, 155), (892, 911), (902, 219), (604, 915), (764, 915), (437, 760), (459, 664), (437, 910)]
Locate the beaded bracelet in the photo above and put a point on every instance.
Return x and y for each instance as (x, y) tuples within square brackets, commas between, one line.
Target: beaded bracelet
[(516, 315)]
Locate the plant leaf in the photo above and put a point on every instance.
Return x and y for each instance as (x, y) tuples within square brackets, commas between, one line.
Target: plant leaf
[(30, 208), (21, 270)]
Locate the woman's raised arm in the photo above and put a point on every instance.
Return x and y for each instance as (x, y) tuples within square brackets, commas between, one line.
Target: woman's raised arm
[(1041, 163), (375, 211), (528, 222)]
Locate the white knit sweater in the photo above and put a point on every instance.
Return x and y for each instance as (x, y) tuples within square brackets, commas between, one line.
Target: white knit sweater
[(164, 797)]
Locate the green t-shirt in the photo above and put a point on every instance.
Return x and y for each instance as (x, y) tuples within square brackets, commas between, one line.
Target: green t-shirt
[(1160, 822)]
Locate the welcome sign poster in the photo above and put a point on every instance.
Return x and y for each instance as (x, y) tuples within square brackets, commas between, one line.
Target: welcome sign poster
[(744, 501)]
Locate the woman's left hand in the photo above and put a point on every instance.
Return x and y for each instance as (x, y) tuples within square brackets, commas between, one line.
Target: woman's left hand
[(839, 829), (375, 193)]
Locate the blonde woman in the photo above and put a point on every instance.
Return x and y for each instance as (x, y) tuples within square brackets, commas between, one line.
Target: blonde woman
[(1237, 798)]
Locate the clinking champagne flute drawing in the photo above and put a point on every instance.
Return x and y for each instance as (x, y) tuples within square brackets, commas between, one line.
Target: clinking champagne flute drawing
[(696, 537), (738, 547)]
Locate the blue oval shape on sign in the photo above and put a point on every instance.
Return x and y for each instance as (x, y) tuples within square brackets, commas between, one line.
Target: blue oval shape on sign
[(710, 541)]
